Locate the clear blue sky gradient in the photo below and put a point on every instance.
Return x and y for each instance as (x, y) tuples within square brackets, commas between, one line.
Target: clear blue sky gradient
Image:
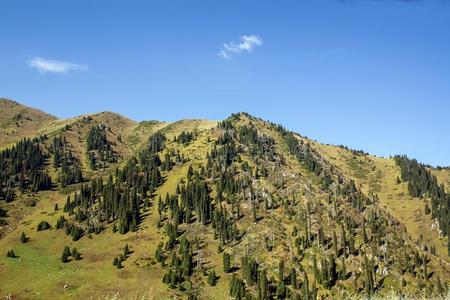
[(373, 75)]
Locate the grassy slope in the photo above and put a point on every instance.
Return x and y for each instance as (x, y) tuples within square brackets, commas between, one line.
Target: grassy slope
[(98, 277), (93, 276), (303, 187), (379, 175), (443, 176), (18, 121)]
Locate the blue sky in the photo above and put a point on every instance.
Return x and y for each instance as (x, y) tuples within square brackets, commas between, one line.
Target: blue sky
[(373, 75)]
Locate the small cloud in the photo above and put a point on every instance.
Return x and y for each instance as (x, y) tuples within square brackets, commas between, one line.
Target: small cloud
[(245, 43), (44, 65), (224, 54)]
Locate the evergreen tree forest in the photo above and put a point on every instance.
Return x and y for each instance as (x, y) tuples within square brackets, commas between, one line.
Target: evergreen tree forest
[(22, 167), (123, 196)]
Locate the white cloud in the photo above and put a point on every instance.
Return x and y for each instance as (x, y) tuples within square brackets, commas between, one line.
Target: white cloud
[(224, 54), (245, 43), (44, 65)]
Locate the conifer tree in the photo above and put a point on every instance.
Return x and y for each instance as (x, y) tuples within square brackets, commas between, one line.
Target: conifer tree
[(212, 278), (364, 234), (23, 237), (281, 270), (293, 278), (226, 262), (281, 290), (75, 254), (126, 251), (64, 256), (159, 256), (335, 243)]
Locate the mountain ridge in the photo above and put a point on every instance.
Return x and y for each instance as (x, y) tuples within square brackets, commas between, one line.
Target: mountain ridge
[(337, 222)]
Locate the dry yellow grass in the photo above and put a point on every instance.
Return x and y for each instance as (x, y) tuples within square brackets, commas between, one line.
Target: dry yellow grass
[(379, 175), (443, 177), (18, 121), (94, 277)]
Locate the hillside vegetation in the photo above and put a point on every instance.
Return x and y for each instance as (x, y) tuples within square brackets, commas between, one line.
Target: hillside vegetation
[(102, 207)]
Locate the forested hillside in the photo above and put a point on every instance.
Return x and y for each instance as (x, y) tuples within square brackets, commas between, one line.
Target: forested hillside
[(100, 206)]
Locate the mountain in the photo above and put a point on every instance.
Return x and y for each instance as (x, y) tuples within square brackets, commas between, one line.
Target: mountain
[(100, 206)]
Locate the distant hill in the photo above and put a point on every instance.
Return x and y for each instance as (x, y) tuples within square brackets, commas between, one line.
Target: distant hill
[(100, 206), (18, 121)]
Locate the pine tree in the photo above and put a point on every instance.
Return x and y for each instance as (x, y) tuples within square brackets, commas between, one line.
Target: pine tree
[(226, 262), (316, 269), (305, 286), (237, 288), (126, 251), (369, 285), (23, 237), (43, 225), (159, 256), (212, 278), (364, 234), (335, 243), (343, 269), (66, 251), (263, 285), (281, 290), (76, 255), (64, 257), (281, 270), (293, 278)]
